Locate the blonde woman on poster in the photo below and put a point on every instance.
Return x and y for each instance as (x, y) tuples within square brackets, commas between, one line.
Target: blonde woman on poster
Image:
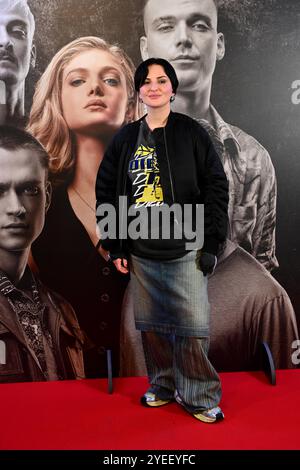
[(84, 96)]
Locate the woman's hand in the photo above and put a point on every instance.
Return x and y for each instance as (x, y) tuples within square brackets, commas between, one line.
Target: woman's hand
[(122, 265)]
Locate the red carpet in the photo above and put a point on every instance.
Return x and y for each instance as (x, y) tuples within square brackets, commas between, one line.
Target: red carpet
[(82, 415)]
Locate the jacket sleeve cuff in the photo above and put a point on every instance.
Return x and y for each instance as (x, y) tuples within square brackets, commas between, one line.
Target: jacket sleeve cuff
[(211, 245), (117, 255), (114, 249), (106, 244)]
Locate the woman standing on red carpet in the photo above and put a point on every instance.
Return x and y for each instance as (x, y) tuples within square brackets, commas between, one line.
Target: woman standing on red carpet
[(163, 159)]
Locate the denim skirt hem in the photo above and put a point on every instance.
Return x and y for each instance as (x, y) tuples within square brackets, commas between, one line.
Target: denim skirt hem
[(170, 296), (169, 329)]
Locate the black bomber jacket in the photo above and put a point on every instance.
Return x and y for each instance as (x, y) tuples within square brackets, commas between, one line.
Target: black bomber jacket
[(190, 169)]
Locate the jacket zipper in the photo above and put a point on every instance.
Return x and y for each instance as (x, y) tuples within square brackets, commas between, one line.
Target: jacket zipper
[(170, 174), (124, 193), (169, 166)]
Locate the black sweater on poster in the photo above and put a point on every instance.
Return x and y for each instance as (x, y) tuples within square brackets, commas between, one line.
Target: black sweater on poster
[(190, 169), (69, 263)]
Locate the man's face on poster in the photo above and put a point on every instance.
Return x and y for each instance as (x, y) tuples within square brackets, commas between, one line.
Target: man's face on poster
[(24, 198), (185, 33), (16, 50)]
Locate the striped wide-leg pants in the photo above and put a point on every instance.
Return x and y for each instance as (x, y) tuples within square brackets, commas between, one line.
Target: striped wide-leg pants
[(180, 363)]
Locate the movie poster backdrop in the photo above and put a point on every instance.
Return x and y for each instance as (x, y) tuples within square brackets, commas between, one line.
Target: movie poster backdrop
[(255, 88)]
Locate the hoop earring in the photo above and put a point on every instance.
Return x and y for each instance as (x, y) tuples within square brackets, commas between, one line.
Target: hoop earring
[(172, 98)]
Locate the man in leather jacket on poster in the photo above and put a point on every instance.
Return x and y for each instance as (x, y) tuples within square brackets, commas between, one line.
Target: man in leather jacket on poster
[(40, 338)]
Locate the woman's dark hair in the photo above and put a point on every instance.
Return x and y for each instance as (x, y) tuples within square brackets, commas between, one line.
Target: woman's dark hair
[(143, 69)]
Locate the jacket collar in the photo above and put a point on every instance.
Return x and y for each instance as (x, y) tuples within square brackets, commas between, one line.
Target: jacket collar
[(7, 287), (131, 130), (224, 130)]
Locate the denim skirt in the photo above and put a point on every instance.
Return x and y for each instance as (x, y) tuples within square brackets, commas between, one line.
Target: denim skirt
[(170, 296)]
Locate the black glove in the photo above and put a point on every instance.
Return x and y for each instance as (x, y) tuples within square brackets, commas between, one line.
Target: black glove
[(206, 262)]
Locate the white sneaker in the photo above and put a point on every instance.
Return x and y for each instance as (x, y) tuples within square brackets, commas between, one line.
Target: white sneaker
[(210, 416), (207, 416)]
